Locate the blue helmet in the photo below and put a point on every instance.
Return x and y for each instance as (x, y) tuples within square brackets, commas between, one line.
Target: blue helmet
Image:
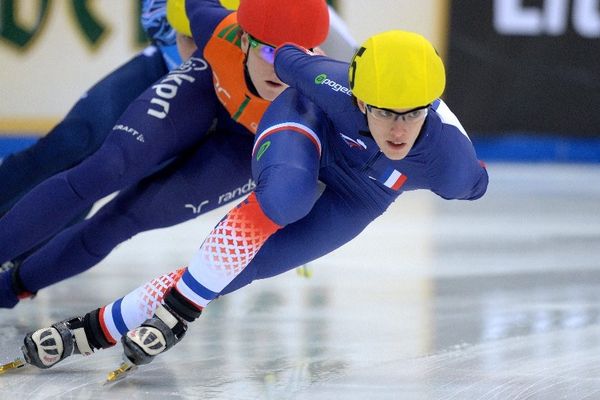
[(154, 21)]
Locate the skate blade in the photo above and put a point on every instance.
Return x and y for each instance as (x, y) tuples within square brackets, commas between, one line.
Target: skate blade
[(124, 370), (11, 366)]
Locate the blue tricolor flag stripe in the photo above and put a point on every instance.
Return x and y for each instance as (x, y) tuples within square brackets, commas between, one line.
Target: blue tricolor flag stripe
[(194, 291), (118, 317)]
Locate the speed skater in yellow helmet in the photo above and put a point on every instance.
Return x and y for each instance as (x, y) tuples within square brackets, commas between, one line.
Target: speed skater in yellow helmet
[(397, 70), (178, 18)]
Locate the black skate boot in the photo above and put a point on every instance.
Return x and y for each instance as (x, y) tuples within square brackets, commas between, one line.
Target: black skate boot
[(161, 332), (46, 347), (156, 335)]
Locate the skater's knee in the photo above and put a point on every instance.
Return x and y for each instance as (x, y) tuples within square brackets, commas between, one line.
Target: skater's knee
[(100, 174), (289, 195)]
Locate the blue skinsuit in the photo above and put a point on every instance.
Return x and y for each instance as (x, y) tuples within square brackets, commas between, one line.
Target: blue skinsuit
[(360, 181), (166, 156), (82, 132)]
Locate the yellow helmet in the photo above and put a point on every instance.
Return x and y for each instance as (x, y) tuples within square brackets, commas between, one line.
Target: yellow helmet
[(231, 4), (178, 18), (397, 69)]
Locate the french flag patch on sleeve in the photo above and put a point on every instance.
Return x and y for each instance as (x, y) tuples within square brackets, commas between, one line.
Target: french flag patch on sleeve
[(393, 179)]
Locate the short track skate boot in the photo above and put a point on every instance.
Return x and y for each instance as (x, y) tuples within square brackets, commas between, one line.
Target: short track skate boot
[(46, 347), (155, 336)]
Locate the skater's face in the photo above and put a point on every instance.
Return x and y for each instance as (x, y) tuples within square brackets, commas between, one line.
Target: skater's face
[(185, 46), (394, 131), (259, 61)]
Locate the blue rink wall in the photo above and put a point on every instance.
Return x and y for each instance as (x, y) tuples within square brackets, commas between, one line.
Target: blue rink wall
[(506, 148), (536, 148), (11, 144)]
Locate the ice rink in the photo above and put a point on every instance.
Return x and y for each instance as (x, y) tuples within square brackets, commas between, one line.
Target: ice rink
[(493, 299)]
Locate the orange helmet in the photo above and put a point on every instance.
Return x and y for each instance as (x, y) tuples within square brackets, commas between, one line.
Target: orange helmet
[(274, 22)]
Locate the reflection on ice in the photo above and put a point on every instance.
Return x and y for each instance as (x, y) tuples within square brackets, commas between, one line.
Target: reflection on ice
[(495, 299)]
